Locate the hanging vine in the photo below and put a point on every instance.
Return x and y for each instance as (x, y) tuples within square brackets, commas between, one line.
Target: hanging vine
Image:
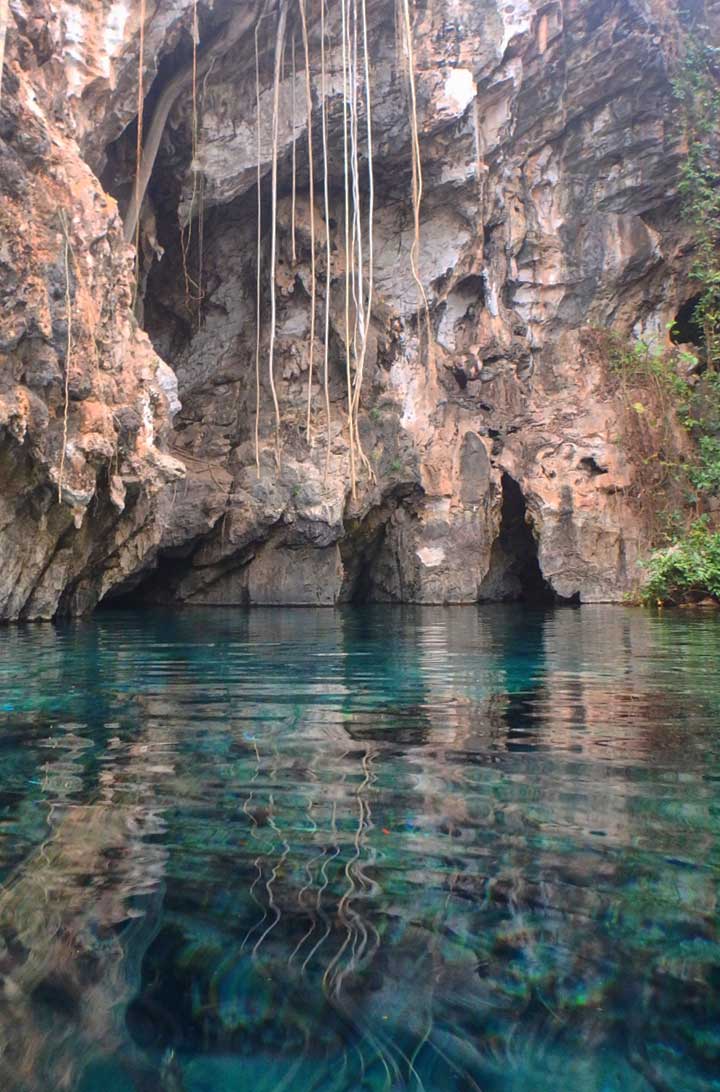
[(139, 141), (230, 33), (293, 199), (311, 185), (346, 184), (417, 177), (67, 253), (279, 46), (186, 236), (258, 256), (201, 207), (328, 248), (363, 309)]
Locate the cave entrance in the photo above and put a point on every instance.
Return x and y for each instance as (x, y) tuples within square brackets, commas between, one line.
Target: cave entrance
[(687, 329), (515, 573)]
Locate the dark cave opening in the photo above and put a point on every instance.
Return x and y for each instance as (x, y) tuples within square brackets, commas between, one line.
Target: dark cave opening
[(515, 573), (686, 329)]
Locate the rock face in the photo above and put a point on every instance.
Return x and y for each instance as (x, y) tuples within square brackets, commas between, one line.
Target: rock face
[(494, 465), (83, 403)]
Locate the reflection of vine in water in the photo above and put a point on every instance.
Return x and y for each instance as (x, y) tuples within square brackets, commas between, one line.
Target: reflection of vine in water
[(357, 929), (389, 1054), (253, 834), (323, 887), (310, 879), (277, 867)]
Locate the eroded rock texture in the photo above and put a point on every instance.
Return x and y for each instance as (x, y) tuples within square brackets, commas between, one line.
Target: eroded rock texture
[(83, 402), (496, 467)]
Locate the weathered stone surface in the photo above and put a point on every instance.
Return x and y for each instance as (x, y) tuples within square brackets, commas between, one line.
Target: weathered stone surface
[(550, 162), (83, 396)]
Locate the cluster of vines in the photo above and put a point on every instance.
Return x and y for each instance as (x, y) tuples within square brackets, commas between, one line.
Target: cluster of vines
[(358, 192)]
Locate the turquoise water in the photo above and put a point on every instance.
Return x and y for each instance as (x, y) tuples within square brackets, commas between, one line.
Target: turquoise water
[(383, 848)]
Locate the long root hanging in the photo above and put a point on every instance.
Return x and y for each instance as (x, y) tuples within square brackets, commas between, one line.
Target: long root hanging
[(279, 45), (68, 346), (258, 275), (328, 248), (371, 214), (362, 324), (3, 33), (293, 198), (138, 141), (311, 184), (192, 291), (237, 25), (417, 178), (201, 209), (346, 181)]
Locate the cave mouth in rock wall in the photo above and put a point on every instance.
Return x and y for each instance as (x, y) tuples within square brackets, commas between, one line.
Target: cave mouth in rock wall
[(515, 574), (686, 329)]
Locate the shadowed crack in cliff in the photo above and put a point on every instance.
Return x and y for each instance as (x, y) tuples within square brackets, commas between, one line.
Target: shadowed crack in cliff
[(515, 572)]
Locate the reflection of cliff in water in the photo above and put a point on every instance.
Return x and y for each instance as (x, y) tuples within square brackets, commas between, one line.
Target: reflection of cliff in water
[(76, 916), (372, 843)]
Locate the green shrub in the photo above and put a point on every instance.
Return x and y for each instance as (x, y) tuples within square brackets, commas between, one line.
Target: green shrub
[(697, 93), (705, 475), (686, 571)]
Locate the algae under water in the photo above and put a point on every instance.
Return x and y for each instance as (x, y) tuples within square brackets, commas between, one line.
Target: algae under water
[(373, 848)]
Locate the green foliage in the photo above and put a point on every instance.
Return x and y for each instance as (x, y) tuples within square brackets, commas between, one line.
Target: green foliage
[(670, 480), (698, 95), (701, 406), (673, 476), (687, 570), (638, 361), (705, 475)]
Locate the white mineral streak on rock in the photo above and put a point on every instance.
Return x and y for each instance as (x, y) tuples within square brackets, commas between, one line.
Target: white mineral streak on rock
[(458, 92), (113, 36), (431, 556), (74, 51), (517, 18)]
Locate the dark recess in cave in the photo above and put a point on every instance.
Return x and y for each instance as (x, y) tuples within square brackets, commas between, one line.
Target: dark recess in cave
[(515, 553), (686, 330)]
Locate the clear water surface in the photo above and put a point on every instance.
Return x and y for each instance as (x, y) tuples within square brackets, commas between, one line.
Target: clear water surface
[(383, 848)]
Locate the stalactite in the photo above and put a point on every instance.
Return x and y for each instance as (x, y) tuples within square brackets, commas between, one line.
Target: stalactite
[(311, 184), (279, 44), (417, 178), (348, 368), (328, 248), (139, 141), (68, 346), (258, 276)]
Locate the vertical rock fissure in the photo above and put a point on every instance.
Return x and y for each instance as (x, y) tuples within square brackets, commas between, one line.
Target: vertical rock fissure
[(515, 572)]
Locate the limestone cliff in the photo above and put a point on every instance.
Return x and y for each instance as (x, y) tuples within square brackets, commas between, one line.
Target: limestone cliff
[(495, 462)]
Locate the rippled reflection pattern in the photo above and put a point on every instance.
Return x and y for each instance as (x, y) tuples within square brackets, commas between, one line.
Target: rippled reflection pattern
[(439, 849)]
